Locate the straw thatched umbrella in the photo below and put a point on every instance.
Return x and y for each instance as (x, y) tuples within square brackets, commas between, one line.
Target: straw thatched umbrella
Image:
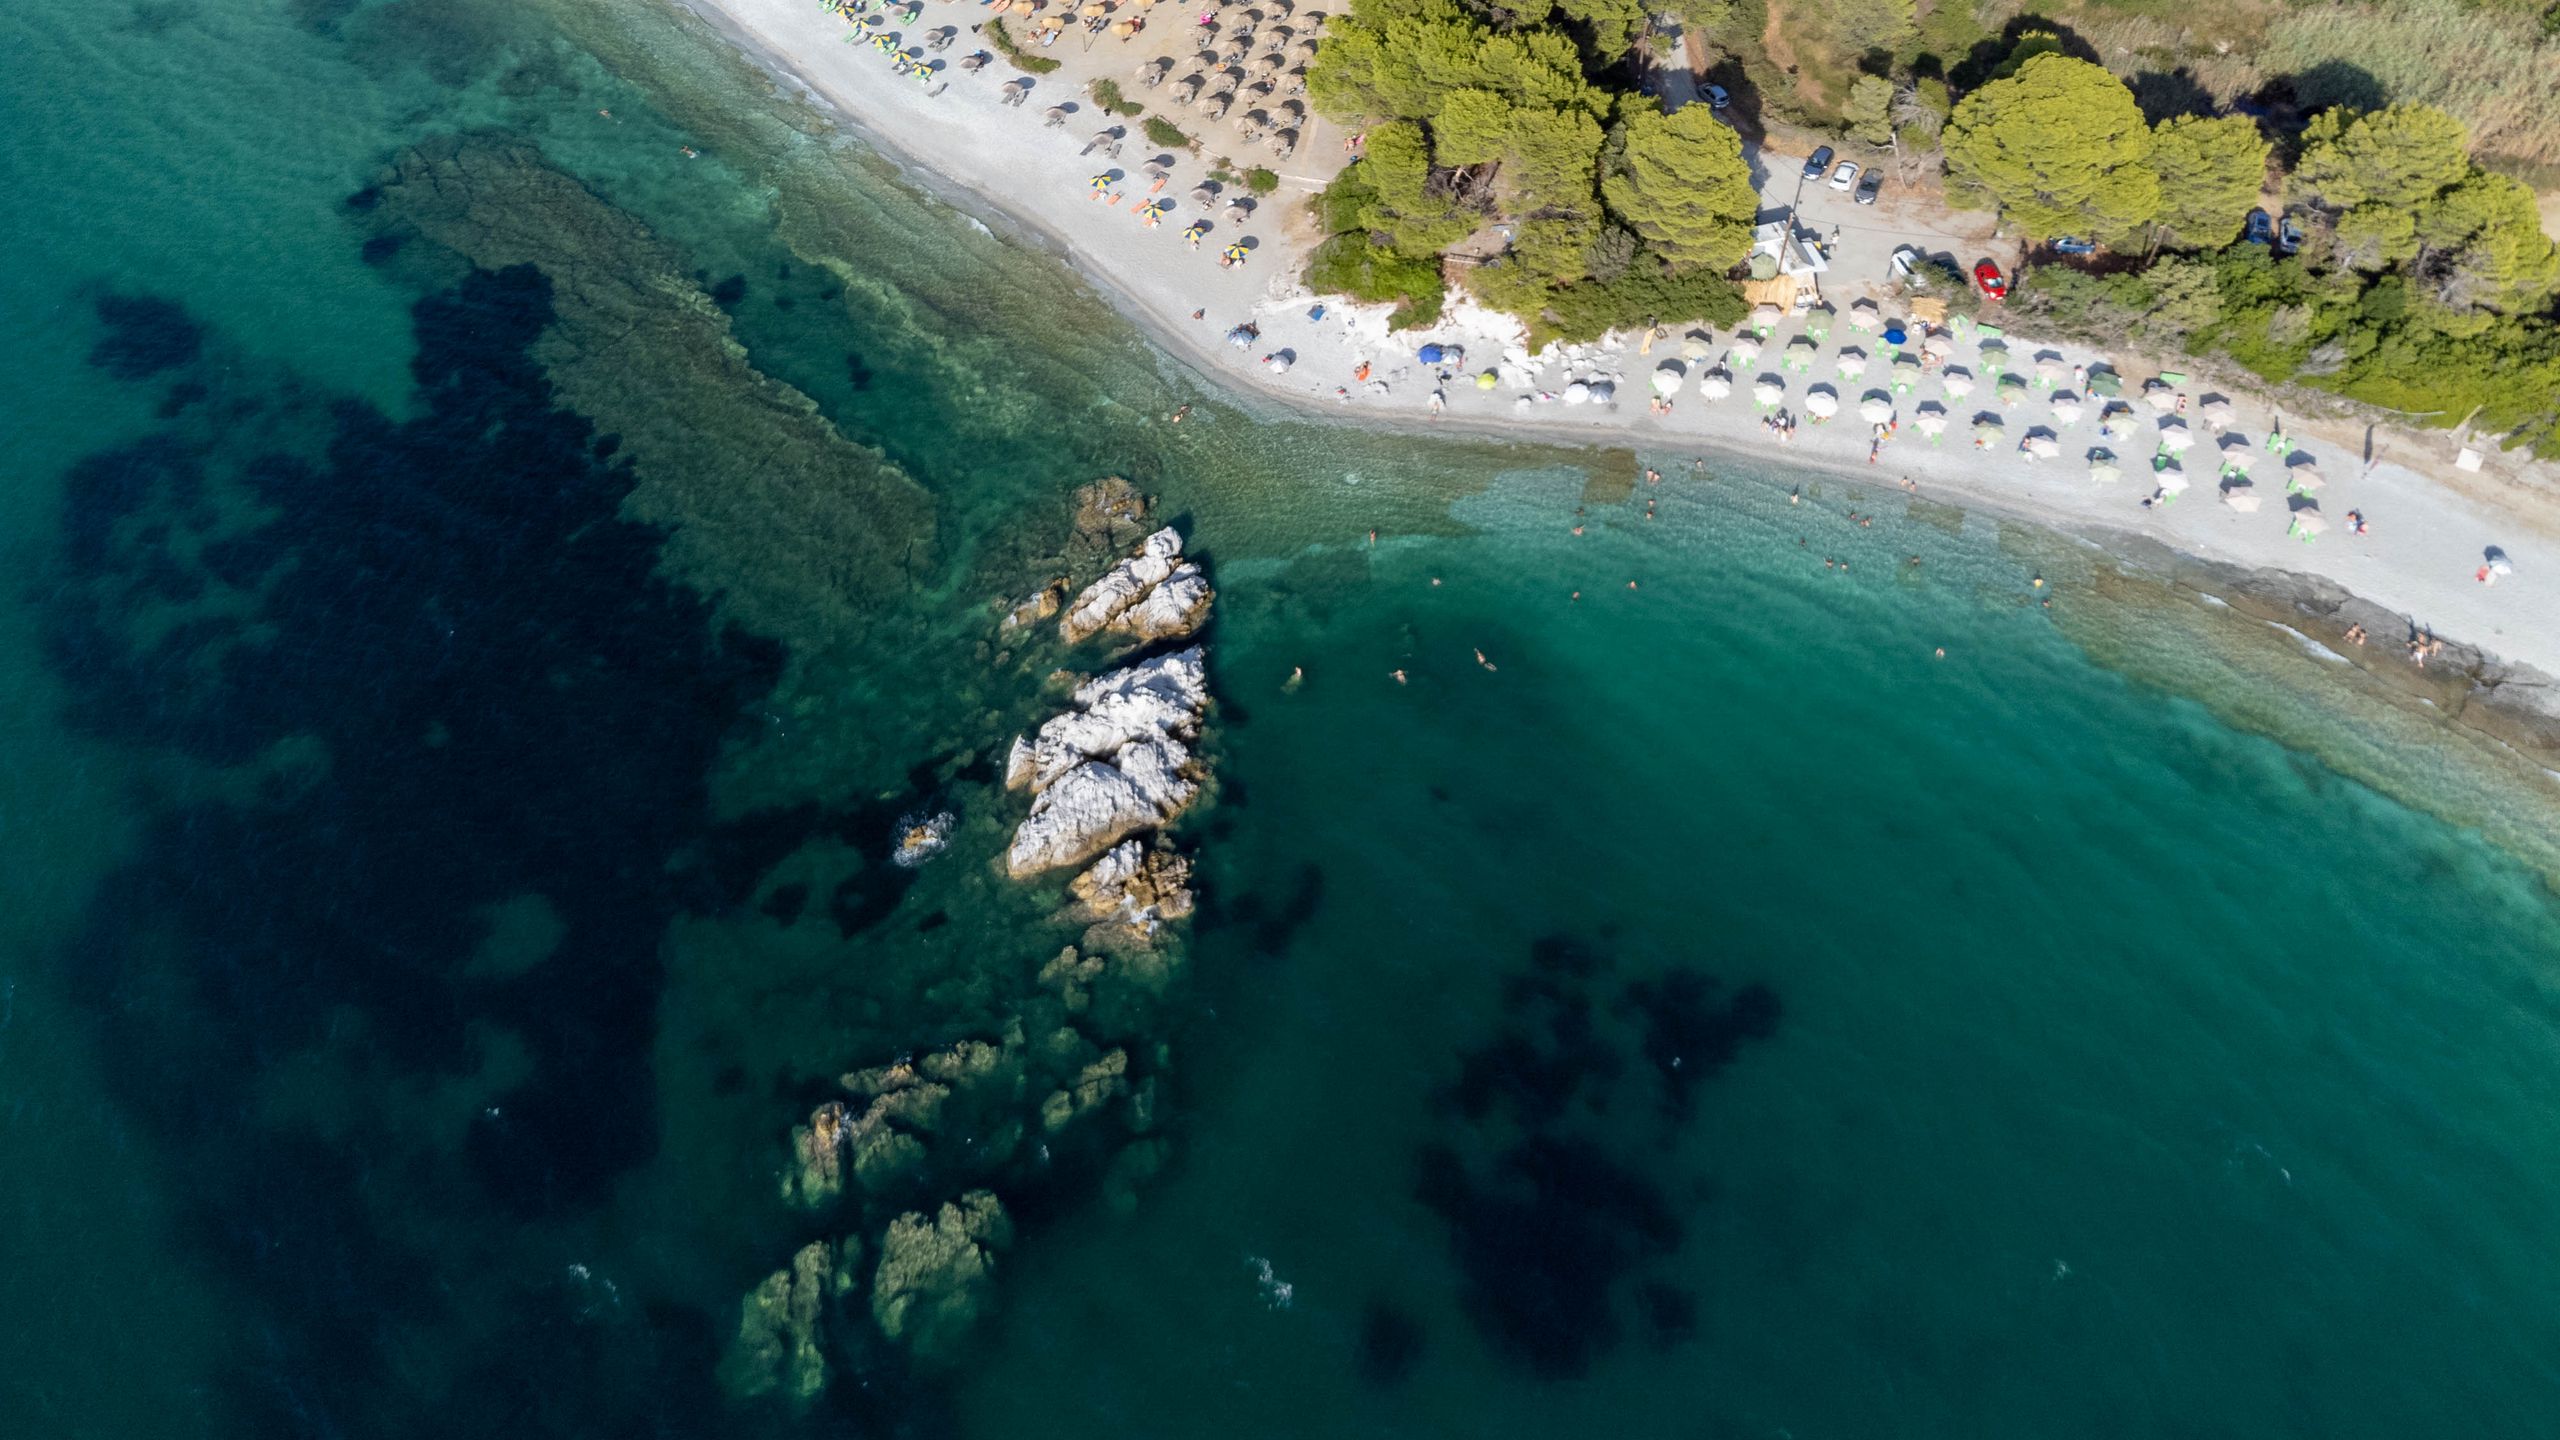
[(1765, 317), (1767, 391), (1799, 354), (2106, 471), (2175, 437), (1906, 374), (2216, 412), (1745, 349), (1938, 344), (1817, 322), (2160, 398), (1716, 384), (2066, 408), (2242, 498), (1986, 431), (1822, 402), (1863, 315), (2012, 389), (2304, 479), (1668, 377), (2172, 478), (2237, 462), (1994, 356), (1956, 381), (2044, 447), (1876, 408), (1853, 363), (1697, 346), (1932, 424), (2050, 371), (2307, 526)]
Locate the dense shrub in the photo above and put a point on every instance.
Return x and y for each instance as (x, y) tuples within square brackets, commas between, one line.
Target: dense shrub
[(1353, 265)]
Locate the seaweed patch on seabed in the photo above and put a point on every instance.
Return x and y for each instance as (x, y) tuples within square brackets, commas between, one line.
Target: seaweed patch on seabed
[(436, 674), (1555, 1216)]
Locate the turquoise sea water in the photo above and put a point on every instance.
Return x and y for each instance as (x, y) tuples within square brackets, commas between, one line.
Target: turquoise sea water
[(448, 760)]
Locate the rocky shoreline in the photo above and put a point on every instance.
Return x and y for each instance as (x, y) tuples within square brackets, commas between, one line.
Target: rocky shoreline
[(910, 1162)]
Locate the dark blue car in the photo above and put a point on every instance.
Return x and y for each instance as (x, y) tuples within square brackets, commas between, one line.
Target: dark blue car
[(2261, 230), (1817, 162)]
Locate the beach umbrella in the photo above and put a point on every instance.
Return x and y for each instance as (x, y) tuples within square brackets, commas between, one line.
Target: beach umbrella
[(1235, 253), (1603, 391), (1933, 425), (1894, 334), (2105, 472), (2175, 438), (2304, 479), (1799, 354), (2011, 389), (2307, 526), (2160, 398), (1765, 317), (2044, 447), (1906, 374), (1429, 354), (1100, 183), (1279, 362), (1667, 377), (1956, 381), (1822, 401), (2172, 478), (1817, 322), (2066, 408), (1986, 433), (2106, 383), (1241, 336), (1746, 348), (1853, 363), (2050, 371), (1863, 315), (2216, 412), (1938, 344), (1876, 408), (1716, 384), (1697, 347), (1578, 393), (2241, 498), (2237, 462), (1488, 380), (1995, 357), (1768, 390)]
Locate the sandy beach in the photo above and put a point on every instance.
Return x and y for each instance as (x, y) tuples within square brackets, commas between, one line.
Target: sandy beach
[(2432, 528)]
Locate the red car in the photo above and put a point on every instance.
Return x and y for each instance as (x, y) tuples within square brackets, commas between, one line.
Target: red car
[(1995, 286)]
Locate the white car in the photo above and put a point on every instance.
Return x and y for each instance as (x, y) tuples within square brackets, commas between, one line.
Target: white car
[(1906, 258), (1846, 177)]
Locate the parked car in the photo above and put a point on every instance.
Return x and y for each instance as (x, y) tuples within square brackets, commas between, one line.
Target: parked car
[(1906, 261), (1817, 162), (2260, 230), (1846, 176), (1993, 284), (1870, 187), (2288, 236), (2074, 245), (1717, 98)]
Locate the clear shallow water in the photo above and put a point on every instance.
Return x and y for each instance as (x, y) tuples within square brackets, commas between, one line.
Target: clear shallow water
[(2118, 1070)]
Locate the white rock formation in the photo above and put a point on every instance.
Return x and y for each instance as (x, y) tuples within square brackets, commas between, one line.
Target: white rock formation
[(1116, 764), (1135, 885), (1153, 595)]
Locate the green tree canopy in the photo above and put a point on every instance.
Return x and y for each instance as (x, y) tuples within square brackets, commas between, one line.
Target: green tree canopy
[(2060, 147), (1870, 110), (2211, 174), (2401, 157), (1681, 184)]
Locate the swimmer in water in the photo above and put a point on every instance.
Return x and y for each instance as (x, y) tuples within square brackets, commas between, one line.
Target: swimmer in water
[(1489, 665), (1577, 529), (1796, 496), (1631, 584), (2037, 582), (689, 152), (1398, 674), (1652, 477), (1373, 539), (1297, 677), (1942, 652), (1577, 594), (1435, 582)]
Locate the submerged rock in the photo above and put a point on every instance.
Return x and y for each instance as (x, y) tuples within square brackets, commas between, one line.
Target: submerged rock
[(782, 1324), (1150, 596), (935, 1272), (1039, 605), (921, 837), (1110, 515), (1116, 764), (816, 1179)]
